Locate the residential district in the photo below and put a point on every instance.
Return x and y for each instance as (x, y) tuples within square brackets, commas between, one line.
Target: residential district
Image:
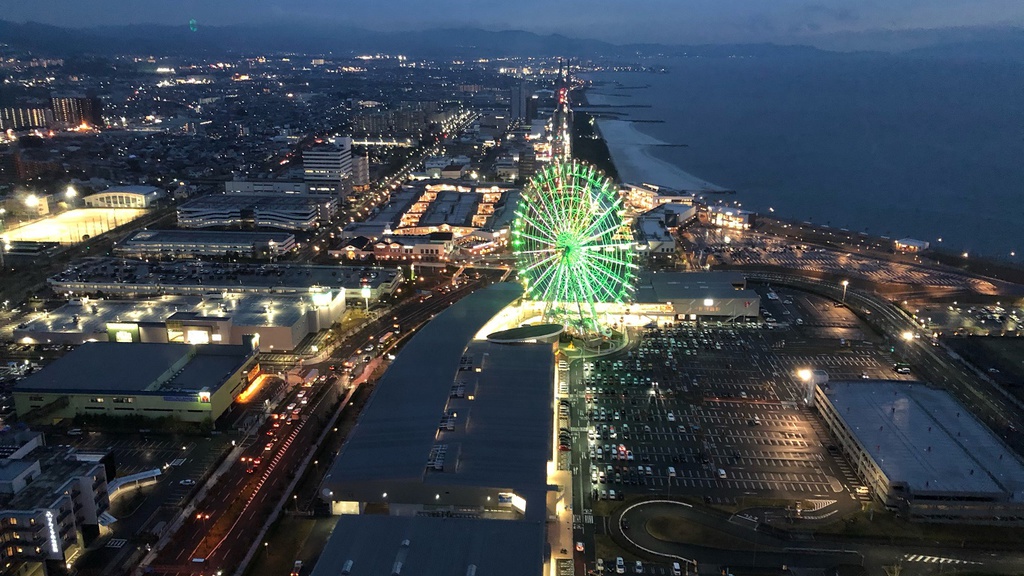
[(373, 314)]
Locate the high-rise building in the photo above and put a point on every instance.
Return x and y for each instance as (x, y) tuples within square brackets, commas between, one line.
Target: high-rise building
[(360, 171), (326, 167), (519, 98), (76, 110), (21, 118)]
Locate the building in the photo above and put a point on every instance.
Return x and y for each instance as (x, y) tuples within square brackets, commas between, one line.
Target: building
[(136, 278), (911, 245), (125, 197), (519, 96), (76, 110), (653, 231), (192, 383), (427, 546), (433, 247), (457, 429), (696, 296), (360, 171), (24, 118), (253, 212), (52, 505), (462, 208), (326, 167), (193, 243), (726, 217), (280, 321), (923, 454), (645, 197), (269, 187)]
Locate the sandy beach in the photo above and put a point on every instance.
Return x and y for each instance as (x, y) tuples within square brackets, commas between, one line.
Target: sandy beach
[(630, 150)]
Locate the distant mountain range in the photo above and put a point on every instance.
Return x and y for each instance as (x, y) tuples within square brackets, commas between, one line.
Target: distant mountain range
[(161, 40)]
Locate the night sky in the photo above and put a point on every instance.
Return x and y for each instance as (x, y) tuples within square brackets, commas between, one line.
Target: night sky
[(620, 21)]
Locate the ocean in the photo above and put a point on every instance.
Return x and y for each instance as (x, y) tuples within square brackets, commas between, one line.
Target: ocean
[(893, 146)]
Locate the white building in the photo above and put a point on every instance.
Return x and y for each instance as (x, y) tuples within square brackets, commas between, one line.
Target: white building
[(125, 197), (271, 187), (290, 212), (329, 163)]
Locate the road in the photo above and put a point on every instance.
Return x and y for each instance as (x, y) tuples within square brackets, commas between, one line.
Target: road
[(760, 549), (218, 534)]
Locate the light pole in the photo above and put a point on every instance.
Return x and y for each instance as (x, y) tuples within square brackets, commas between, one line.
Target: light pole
[(845, 283)]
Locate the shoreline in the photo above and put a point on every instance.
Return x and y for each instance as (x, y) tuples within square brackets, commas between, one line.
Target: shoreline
[(630, 153)]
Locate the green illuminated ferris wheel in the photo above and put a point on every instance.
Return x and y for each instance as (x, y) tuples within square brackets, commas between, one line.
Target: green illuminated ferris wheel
[(571, 247)]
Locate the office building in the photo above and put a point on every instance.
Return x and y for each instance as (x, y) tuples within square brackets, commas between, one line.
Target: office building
[(326, 167), (254, 212), (922, 453), (191, 383), (268, 187), (192, 243)]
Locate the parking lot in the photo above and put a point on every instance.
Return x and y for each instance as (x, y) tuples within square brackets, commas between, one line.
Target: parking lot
[(717, 411)]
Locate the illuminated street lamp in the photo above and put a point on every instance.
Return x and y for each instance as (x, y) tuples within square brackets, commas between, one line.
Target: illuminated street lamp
[(908, 335), (845, 283), (70, 193), (31, 200)]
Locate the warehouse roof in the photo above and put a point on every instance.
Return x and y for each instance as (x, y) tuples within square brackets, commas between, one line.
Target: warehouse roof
[(921, 436)]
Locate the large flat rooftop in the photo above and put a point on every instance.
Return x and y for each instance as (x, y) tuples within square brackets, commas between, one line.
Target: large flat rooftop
[(91, 318), (370, 545), (143, 237), (923, 437), (125, 275), (253, 201), (138, 368), (667, 286), (501, 429)]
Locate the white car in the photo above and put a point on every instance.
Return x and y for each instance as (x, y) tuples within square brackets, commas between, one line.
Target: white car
[(620, 565), (639, 567), (187, 482)]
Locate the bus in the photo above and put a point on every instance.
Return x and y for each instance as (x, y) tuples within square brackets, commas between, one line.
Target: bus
[(386, 338)]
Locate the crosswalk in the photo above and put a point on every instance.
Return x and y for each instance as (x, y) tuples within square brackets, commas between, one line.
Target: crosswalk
[(116, 543), (935, 559)]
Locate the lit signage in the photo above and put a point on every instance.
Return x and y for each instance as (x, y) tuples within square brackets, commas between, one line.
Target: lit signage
[(122, 332), (321, 298), (193, 336), (204, 397), (54, 546), (365, 291), (519, 503)]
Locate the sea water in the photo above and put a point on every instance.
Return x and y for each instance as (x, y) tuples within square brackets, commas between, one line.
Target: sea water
[(889, 145)]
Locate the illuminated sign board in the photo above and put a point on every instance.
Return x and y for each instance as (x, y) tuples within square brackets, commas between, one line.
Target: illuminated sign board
[(54, 545), (122, 332), (321, 298), (204, 397)]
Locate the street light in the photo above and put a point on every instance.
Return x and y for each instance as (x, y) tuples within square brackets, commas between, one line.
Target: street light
[(845, 283), (70, 193)]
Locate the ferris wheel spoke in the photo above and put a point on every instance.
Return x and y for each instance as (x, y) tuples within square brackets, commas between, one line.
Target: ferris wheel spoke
[(543, 241), (540, 262), (603, 219)]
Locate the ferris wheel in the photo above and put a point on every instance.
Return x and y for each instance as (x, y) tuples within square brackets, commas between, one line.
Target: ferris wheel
[(572, 249)]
